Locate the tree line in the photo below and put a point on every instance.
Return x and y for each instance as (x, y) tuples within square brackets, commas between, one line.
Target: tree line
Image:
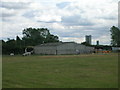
[(115, 37), (31, 37), (36, 36)]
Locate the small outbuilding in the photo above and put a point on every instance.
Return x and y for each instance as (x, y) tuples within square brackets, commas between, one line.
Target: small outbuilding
[(116, 49), (60, 48)]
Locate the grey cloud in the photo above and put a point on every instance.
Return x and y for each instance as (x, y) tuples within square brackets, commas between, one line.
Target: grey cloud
[(10, 9), (99, 31), (48, 21), (96, 28), (62, 5), (76, 20), (109, 18), (79, 33), (14, 5), (6, 14), (73, 35), (4, 19), (29, 14)]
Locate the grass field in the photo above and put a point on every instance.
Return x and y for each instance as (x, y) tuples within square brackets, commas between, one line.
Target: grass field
[(62, 71)]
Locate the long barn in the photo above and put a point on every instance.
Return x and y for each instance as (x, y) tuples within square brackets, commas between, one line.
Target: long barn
[(60, 48)]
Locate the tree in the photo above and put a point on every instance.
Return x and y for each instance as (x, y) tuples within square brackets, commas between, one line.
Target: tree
[(115, 36), (85, 43), (9, 46), (17, 38), (33, 36), (12, 46)]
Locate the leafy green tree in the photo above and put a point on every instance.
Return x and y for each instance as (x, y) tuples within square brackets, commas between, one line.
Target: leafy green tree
[(12, 46), (19, 45), (17, 38), (3, 47), (33, 36), (9, 46), (115, 36)]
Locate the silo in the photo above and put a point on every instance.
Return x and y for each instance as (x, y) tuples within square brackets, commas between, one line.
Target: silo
[(88, 39)]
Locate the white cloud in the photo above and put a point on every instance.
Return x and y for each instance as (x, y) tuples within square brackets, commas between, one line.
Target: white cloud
[(71, 39), (69, 19), (47, 18)]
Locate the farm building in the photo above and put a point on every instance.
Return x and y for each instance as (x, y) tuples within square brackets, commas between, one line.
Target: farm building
[(62, 48), (115, 49)]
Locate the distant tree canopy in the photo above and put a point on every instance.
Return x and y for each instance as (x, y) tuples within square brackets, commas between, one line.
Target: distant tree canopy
[(115, 36), (12, 46), (31, 37), (85, 43)]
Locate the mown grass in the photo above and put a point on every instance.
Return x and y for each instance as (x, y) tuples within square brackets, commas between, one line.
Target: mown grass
[(63, 71)]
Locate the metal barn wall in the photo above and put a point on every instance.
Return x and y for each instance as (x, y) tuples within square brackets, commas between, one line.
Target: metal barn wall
[(45, 50), (89, 49), (66, 48), (80, 49)]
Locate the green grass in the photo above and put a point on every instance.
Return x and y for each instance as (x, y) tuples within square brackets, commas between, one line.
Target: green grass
[(63, 71)]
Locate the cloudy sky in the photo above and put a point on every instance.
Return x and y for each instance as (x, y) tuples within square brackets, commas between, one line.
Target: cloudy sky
[(71, 20)]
